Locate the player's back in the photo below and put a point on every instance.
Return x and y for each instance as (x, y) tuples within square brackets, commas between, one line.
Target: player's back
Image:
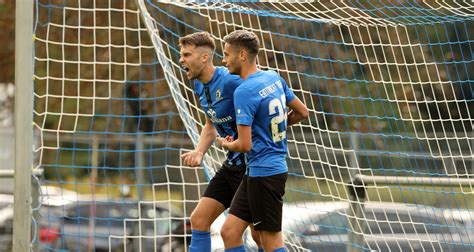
[(261, 103)]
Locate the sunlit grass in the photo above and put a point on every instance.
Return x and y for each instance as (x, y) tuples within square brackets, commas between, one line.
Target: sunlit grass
[(311, 189)]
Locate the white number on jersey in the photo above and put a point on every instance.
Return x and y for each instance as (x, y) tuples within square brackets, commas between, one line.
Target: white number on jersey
[(276, 106)]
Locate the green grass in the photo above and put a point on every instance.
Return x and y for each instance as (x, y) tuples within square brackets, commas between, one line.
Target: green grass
[(309, 189), (111, 189)]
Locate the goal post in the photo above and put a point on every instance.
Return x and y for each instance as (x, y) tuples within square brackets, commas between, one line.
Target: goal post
[(23, 131), (387, 83)]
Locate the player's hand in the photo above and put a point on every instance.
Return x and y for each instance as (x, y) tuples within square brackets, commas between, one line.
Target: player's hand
[(220, 141), (192, 158)]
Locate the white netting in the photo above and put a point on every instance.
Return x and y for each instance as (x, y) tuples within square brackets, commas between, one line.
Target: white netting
[(389, 86), (389, 93)]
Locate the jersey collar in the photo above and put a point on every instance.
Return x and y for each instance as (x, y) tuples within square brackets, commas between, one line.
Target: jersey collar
[(254, 74), (214, 77)]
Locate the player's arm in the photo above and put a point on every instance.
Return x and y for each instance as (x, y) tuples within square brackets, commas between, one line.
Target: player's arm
[(207, 137), (242, 144), (244, 111), (298, 112)]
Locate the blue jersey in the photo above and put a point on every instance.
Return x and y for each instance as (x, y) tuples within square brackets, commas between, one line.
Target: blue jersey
[(217, 101), (260, 102)]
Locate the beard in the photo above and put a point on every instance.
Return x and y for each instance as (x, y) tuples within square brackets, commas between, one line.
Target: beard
[(192, 75), (235, 70)]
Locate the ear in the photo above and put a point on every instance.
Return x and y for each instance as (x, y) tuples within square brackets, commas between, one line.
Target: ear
[(204, 57), (243, 55)]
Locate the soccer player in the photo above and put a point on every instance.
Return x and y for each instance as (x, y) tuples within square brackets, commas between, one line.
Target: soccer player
[(262, 119), (215, 87)]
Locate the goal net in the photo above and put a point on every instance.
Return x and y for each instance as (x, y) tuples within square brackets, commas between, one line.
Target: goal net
[(107, 134), (384, 162)]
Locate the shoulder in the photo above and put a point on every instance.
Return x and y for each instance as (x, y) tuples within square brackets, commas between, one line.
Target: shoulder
[(276, 76), (246, 91), (198, 87), (244, 87), (266, 76), (272, 73), (222, 71), (228, 77), (273, 76), (234, 79)]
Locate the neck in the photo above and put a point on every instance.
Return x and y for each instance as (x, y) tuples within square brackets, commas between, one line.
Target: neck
[(248, 69), (207, 73)]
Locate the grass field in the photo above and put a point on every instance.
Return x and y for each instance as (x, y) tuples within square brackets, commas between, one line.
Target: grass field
[(299, 189), (307, 189)]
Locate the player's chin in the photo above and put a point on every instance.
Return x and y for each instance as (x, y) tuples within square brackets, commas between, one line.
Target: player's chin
[(232, 70), (190, 75)]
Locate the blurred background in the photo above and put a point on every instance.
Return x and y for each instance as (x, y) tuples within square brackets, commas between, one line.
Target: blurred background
[(111, 119)]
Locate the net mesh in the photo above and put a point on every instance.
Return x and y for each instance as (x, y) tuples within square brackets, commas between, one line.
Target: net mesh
[(388, 85)]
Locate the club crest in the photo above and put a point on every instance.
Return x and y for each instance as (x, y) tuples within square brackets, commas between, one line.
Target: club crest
[(218, 95)]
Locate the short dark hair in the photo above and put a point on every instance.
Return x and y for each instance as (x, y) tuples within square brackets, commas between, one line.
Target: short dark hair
[(244, 39), (198, 39)]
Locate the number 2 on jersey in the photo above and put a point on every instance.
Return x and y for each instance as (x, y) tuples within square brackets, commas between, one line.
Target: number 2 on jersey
[(276, 106)]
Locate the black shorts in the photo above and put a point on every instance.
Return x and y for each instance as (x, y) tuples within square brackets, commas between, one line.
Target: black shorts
[(225, 182), (259, 200)]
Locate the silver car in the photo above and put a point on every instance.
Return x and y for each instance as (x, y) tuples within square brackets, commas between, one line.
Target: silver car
[(319, 226)]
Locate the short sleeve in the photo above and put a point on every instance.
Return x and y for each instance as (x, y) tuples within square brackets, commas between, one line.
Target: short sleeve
[(245, 104), (289, 95)]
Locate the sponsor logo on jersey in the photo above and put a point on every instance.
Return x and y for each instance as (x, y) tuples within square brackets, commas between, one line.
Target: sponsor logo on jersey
[(221, 120), (213, 117), (211, 113)]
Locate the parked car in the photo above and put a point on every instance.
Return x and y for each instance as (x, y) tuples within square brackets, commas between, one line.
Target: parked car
[(181, 238), (466, 218), (389, 227), (53, 200), (64, 219), (47, 232), (6, 222), (113, 225)]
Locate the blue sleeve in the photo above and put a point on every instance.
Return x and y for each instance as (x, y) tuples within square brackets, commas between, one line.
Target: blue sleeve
[(246, 105), (289, 95)]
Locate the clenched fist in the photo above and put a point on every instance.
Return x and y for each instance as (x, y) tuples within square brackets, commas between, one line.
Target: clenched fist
[(192, 158)]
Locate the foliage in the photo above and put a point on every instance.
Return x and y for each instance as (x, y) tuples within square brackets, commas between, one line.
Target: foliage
[(7, 41)]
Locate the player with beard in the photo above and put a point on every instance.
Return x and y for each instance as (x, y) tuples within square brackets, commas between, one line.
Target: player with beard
[(262, 119), (215, 87)]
